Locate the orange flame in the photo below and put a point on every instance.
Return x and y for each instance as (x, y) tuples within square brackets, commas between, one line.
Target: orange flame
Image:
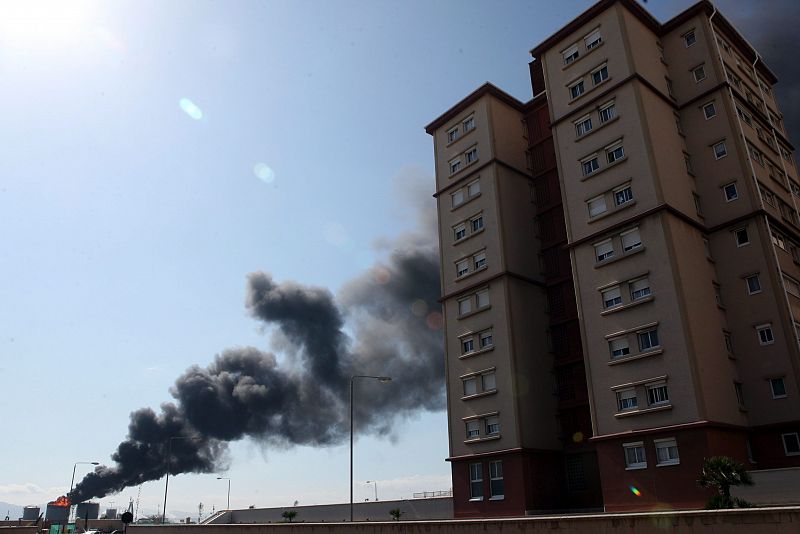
[(62, 501)]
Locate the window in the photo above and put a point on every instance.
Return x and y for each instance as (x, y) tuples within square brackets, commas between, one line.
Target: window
[(717, 294), (462, 267), (576, 476), (626, 400), (741, 237), (744, 116), (482, 297), (476, 481), (778, 387), (470, 387), (792, 286), (777, 239), (477, 223), (615, 153), (465, 306), (455, 165), (709, 110), (753, 284), (769, 198), (593, 40), (697, 206), (457, 198), (678, 124), (623, 195), (765, 336), (492, 425), (583, 126), (607, 112), (473, 429), (730, 192), (619, 347), (657, 394), (488, 382), (667, 451), (469, 124), (460, 231), (737, 387), (689, 38), (486, 339), (631, 240), (634, 455), (600, 75), (590, 165), (596, 206), (473, 188), (728, 341), (670, 90), (756, 155), (720, 150), (611, 297), (471, 155), (496, 489), (699, 73), (467, 346), (639, 288), (687, 161), (570, 54), (576, 90), (791, 443), (479, 260), (604, 250), (452, 135), (648, 340)]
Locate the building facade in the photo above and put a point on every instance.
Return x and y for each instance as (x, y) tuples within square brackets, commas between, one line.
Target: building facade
[(620, 269)]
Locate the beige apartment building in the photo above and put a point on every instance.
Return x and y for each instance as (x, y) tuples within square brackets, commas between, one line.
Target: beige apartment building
[(676, 224)]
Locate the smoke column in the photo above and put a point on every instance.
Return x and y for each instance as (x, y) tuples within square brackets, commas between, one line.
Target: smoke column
[(393, 315)]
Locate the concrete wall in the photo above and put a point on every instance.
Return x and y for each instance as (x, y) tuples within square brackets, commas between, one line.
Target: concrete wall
[(4, 529), (773, 486), (412, 509), (761, 520)]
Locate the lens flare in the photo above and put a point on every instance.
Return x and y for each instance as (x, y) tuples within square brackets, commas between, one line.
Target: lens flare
[(264, 173), (635, 491), (191, 109), (435, 321), (419, 308), (381, 275), (577, 437)]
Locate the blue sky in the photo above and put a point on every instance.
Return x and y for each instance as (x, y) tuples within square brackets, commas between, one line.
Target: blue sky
[(128, 226)]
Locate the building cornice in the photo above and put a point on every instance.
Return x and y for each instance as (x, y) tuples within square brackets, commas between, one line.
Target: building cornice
[(483, 281), (485, 89), (669, 428), (704, 6)]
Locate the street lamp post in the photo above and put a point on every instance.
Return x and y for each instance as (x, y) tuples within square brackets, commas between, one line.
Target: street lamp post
[(376, 487), (383, 379), (169, 464), (229, 490), (72, 484)]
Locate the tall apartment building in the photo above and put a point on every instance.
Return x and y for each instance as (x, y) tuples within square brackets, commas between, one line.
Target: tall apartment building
[(620, 269)]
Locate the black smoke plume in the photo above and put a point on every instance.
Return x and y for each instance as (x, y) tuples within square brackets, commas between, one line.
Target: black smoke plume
[(394, 326)]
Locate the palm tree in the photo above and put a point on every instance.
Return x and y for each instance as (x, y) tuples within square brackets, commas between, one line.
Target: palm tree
[(289, 515), (722, 472)]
